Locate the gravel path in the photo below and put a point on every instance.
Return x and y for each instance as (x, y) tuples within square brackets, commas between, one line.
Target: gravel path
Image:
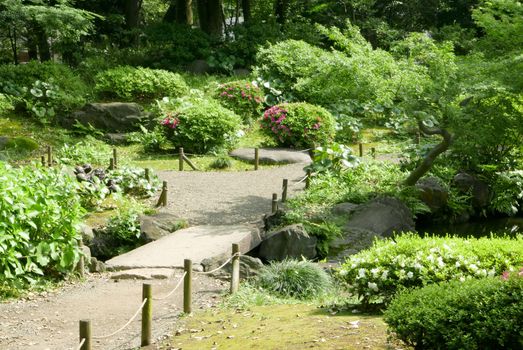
[(223, 198), (50, 320)]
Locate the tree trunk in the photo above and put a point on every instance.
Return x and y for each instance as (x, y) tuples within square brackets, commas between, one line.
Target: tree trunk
[(183, 12), (43, 45), (280, 10), (426, 164), (246, 8), (12, 40), (210, 13), (132, 13)]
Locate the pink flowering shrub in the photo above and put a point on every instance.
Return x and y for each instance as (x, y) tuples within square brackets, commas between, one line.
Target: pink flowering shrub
[(299, 125), (243, 98)]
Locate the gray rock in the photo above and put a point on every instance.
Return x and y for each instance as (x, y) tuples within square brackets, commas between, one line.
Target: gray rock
[(156, 226), (272, 156), (199, 67), (241, 72), (114, 116), (87, 233), (96, 266), (480, 191), (116, 138), (143, 274), (3, 141), (86, 252), (432, 193), (344, 208), (249, 266), (289, 242), (380, 217)]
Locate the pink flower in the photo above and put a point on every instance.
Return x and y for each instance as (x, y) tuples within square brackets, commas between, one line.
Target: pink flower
[(505, 275)]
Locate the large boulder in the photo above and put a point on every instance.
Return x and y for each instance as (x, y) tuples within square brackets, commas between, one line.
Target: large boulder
[(432, 193), (113, 117), (380, 217), (249, 266), (156, 226), (467, 183), (288, 242)]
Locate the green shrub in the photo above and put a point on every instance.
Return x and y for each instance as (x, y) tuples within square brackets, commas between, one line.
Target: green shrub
[(241, 97), (40, 212), (411, 261), (294, 279), (87, 151), (132, 181), (6, 104), (199, 125), (476, 314), (299, 125), (130, 83), (221, 162), (21, 144), (151, 140), (124, 226)]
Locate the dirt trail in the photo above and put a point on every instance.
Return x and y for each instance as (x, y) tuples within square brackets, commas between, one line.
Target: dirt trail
[(50, 320)]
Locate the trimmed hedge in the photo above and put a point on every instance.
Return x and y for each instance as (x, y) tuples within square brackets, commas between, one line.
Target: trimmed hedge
[(411, 261), (476, 314)]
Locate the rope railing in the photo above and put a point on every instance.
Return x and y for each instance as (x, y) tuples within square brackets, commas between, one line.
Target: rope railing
[(174, 289), (81, 344), (125, 325), (220, 267)]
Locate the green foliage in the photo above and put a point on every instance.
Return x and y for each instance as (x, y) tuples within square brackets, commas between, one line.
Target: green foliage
[(299, 125), (124, 226), (507, 189), (87, 151), (6, 104), (221, 162), (294, 279), (335, 158), (476, 314), (21, 144), (241, 97), (40, 211), (130, 83), (411, 261), (199, 125), (132, 181), (151, 140)]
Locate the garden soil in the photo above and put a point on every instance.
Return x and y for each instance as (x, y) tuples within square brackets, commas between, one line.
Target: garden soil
[(50, 320)]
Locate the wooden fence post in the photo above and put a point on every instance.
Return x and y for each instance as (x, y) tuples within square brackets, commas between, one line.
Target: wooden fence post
[(235, 274), (373, 152), (49, 156), (256, 158), (274, 203), (115, 158), (42, 159), (180, 159), (308, 179), (418, 138), (85, 333), (360, 146), (284, 191), (148, 174), (162, 201), (187, 286), (147, 314), (111, 163)]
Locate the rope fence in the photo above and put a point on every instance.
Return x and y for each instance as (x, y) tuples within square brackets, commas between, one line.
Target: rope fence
[(147, 298)]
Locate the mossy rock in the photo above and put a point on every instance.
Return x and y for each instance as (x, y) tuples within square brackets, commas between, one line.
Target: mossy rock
[(24, 144)]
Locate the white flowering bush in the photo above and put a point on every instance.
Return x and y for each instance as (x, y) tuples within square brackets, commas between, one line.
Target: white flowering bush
[(411, 261)]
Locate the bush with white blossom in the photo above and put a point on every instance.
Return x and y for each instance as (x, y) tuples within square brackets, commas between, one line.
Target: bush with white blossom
[(407, 261)]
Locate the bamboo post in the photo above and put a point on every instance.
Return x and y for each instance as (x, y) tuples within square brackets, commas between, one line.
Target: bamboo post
[(81, 262), (235, 275), (274, 203), (147, 314), (49, 156), (191, 164), (42, 159), (308, 179), (284, 191), (360, 146), (111, 163), (373, 152), (256, 158), (115, 158), (418, 138), (180, 159), (187, 286), (85, 333), (162, 201), (148, 174)]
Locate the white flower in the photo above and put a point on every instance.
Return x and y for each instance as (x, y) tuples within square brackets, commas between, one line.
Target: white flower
[(462, 279), (385, 274), (240, 133), (343, 272), (458, 264), (375, 272), (410, 274), (361, 273), (373, 286), (430, 258), (473, 267), (418, 266), (440, 262)]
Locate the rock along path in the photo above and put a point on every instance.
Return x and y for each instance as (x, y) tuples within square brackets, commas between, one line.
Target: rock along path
[(50, 320)]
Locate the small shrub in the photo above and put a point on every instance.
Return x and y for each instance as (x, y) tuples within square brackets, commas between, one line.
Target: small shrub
[(199, 125), (87, 151), (125, 226), (411, 261), (476, 314), (21, 144), (130, 83), (294, 279), (334, 158), (241, 97), (132, 181), (221, 162), (6, 104), (151, 140), (299, 125)]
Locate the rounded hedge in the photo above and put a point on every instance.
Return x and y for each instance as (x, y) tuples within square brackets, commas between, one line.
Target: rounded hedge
[(299, 125), (476, 314), (200, 126), (137, 83), (242, 97), (293, 278)]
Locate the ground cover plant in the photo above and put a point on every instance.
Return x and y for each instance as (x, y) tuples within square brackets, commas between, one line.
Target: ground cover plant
[(409, 261)]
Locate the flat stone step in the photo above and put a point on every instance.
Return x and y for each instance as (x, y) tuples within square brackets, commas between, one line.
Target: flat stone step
[(272, 155), (195, 243), (143, 274)]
